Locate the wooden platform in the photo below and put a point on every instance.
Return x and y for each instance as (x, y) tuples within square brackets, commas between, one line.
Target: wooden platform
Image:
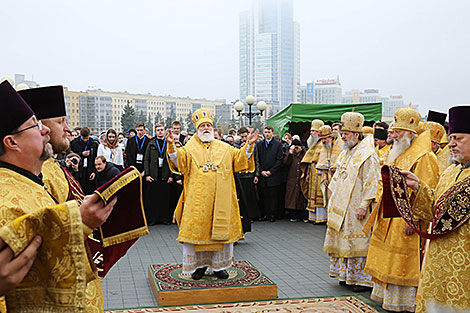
[(245, 283)]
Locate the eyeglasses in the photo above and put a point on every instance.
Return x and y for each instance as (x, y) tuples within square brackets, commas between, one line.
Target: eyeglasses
[(38, 125)]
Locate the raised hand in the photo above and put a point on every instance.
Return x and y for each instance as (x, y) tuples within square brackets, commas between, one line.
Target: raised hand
[(252, 137), (169, 136)]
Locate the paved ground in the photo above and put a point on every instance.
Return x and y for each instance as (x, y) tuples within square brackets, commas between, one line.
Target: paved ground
[(288, 253)]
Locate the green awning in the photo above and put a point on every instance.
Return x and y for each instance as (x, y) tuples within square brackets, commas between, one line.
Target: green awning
[(299, 112)]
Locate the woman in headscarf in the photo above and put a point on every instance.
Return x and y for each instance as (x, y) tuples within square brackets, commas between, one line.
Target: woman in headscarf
[(111, 149)]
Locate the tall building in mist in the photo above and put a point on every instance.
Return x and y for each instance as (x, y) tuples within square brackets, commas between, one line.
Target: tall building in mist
[(270, 53)]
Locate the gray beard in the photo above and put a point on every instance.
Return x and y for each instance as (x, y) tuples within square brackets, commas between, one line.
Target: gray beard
[(312, 140), (205, 137), (398, 147), (327, 146), (455, 159), (46, 152), (347, 145)]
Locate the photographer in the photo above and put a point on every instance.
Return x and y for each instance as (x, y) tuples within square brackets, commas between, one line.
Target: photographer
[(71, 164)]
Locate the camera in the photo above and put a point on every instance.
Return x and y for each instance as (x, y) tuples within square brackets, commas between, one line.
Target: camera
[(74, 161)]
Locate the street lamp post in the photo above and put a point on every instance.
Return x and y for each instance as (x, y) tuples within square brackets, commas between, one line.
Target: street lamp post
[(250, 100)]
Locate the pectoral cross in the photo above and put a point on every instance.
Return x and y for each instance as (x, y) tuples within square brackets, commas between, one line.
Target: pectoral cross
[(208, 166)]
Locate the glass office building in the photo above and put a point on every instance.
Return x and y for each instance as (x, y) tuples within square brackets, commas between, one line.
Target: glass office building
[(270, 53)]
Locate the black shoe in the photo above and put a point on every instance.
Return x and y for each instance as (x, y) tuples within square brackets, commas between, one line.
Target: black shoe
[(262, 219), (272, 219), (221, 274), (342, 283), (199, 273), (358, 288)]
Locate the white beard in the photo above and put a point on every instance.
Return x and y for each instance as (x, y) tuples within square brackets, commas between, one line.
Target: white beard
[(205, 136), (312, 140), (398, 147)]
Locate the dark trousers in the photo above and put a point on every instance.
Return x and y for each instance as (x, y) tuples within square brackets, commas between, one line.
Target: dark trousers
[(270, 201)]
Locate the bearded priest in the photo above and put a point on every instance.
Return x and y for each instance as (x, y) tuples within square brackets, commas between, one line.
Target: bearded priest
[(392, 240), (353, 188), (207, 213)]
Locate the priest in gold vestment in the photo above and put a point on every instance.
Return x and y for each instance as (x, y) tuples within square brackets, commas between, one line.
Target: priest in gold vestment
[(353, 188), (58, 277), (207, 213), (394, 257), (48, 104), (331, 148), (310, 181), (446, 273), (438, 132)]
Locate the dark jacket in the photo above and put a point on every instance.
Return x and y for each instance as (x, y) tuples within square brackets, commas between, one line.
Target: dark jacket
[(135, 146), (109, 172), (270, 159), (151, 162), (79, 146)]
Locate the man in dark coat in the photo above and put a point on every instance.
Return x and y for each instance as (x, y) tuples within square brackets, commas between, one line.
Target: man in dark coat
[(176, 130), (105, 171), (157, 174), (294, 198), (269, 180), (86, 148), (136, 147)]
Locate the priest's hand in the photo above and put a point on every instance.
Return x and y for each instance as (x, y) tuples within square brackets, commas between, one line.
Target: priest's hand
[(255, 180), (412, 180), (149, 179), (409, 230), (169, 136), (13, 270), (252, 137), (94, 212), (361, 213)]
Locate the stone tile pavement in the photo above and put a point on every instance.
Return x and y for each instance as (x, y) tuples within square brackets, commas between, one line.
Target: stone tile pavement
[(288, 253)]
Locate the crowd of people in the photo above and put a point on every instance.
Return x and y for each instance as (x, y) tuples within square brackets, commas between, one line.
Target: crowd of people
[(214, 186)]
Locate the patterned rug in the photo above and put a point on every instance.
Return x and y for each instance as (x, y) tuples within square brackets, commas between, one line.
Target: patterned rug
[(345, 304), (168, 277)]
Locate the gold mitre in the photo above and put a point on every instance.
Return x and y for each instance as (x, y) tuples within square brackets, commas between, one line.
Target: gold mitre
[(202, 116), (367, 130), (420, 129), (316, 124), (436, 129), (325, 131), (407, 119), (352, 122)]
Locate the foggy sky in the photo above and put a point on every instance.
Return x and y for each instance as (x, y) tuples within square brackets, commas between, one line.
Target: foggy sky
[(419, 49)]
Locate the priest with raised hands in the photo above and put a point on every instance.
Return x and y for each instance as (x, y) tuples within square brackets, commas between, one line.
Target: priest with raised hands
[(208, 214), (446, 273)]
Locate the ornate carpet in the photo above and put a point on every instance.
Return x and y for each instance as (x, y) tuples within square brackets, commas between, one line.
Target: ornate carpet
[(168, 277), (345, 304)]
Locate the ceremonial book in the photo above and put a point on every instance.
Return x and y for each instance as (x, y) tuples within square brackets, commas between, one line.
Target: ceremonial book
[(127, 220)]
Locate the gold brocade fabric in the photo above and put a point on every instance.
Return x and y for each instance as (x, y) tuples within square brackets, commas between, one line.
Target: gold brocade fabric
[(446, 274), (326, 160), (394, 257), (382, 151), (310, 180), (351, 191), (208, 214), (54, 180), (56, 281), (58, 186), (443, 159)]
